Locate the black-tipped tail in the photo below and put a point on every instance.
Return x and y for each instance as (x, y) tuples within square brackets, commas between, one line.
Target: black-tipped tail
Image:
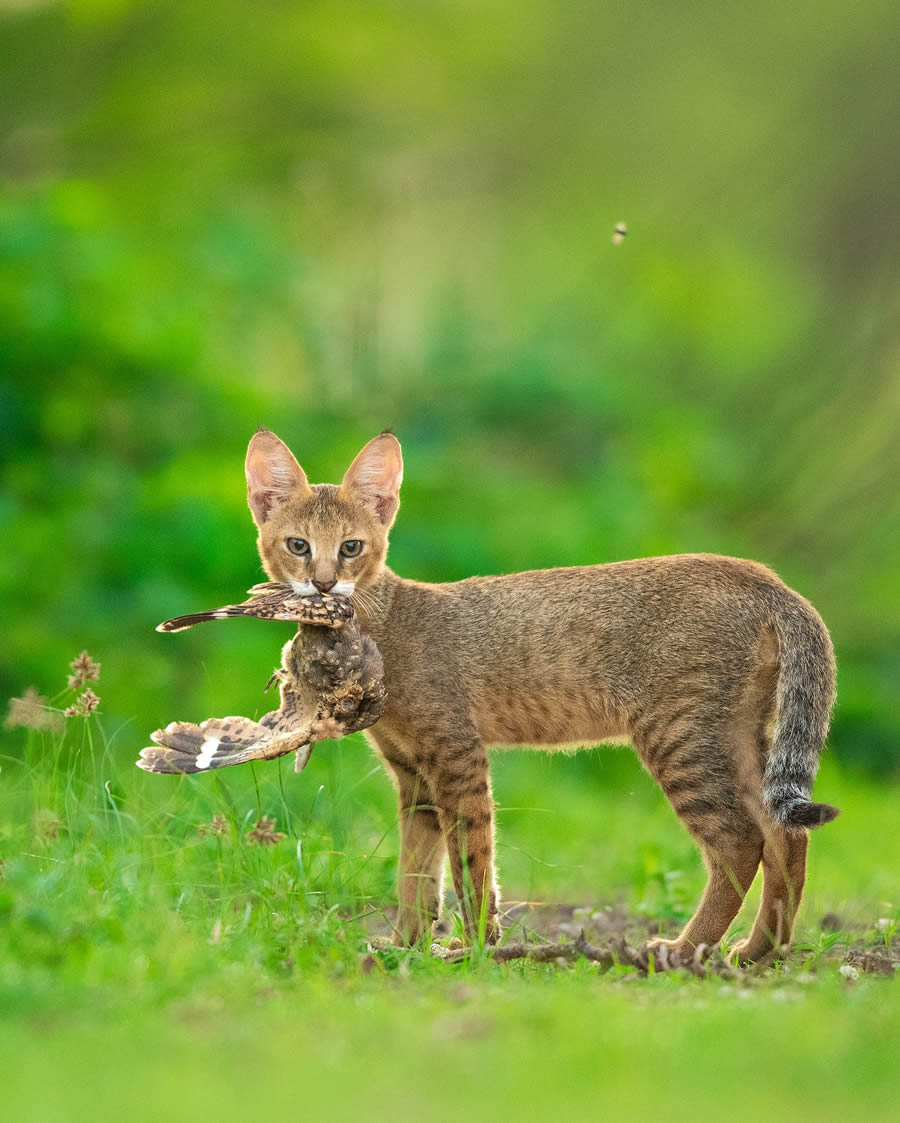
[(804, 813), (805, 695)]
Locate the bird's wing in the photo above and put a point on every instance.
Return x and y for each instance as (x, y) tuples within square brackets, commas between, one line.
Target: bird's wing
[(331, 684), (219, 742), (272, 601)]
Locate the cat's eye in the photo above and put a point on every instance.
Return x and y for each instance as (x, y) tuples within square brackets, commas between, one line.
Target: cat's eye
[(298, 546), (352, 548)]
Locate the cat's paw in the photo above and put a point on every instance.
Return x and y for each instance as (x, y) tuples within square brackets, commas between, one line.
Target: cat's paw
[(672, 954), (746, 953), (492, 932), (412, 929)]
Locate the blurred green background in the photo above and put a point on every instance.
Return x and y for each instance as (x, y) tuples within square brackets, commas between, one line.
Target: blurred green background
[(329, 219)]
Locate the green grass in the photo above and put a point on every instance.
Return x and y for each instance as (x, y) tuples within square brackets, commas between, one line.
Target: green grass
[(498, 1044), (152, 971), (401, 216)]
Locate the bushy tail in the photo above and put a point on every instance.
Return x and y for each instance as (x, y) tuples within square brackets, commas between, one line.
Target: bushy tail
[(805, 696)]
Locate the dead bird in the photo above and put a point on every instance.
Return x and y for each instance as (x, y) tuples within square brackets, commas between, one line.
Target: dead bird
[(331, 682), (273, 600)]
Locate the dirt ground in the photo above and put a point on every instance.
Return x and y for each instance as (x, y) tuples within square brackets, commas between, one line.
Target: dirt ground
[(605, 925)]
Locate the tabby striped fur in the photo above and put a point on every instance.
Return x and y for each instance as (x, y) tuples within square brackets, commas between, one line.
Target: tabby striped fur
[(720, 676)]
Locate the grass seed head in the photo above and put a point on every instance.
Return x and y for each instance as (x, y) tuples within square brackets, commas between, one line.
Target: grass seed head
[(264, 832), (83, 706), (48, 824), (31, 712), (85, 670), (218, 826)]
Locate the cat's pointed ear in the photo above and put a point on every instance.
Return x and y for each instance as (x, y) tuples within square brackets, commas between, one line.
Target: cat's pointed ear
[(273, 475), (375, 477)]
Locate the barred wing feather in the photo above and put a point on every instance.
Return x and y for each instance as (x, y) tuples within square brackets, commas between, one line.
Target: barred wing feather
[(273, 601), (183, 747)]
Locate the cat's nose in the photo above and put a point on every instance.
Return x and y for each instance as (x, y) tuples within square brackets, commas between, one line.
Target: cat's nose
[(324, 586)]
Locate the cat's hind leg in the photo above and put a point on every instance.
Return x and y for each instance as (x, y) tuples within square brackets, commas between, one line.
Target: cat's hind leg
[(784, 873), (690, 759), (784, 853), (731, 865)]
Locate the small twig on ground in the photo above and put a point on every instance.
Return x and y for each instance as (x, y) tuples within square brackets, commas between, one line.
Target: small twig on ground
[(616, 953)]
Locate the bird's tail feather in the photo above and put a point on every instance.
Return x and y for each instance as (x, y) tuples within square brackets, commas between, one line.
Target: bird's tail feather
[(183, 747), (179, 623)]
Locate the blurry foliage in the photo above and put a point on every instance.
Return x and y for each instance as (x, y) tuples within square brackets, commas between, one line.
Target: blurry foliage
[(328, 220)]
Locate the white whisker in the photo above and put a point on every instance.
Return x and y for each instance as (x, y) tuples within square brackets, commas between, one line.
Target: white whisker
[(365, 600)]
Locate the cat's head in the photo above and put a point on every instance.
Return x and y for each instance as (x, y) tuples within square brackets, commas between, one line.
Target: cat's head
[(325, 537)]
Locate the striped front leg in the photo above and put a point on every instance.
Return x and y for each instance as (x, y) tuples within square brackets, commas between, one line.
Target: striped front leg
[(422, 848), (463, 793), (422, 853)]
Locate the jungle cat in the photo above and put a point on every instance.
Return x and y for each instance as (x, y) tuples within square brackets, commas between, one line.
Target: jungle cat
[(720, 676)]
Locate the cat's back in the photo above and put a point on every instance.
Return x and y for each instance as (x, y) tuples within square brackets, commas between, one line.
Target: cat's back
[(568, 614), (555, 655), (641, 589)]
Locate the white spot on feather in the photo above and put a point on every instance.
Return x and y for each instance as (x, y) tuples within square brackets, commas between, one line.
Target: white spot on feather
[(207, 752)]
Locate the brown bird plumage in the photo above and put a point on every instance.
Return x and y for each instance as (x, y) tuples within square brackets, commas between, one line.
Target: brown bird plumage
[(272, 600), (331, 684)]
